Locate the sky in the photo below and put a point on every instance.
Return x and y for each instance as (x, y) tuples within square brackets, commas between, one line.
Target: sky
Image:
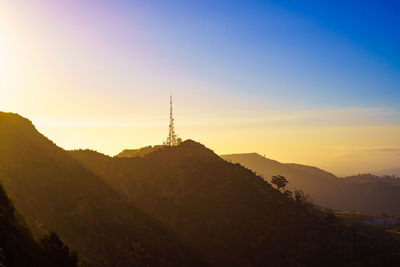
[(310, 82)]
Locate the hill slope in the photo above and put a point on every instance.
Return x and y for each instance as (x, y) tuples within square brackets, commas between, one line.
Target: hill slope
[(393, 171), (55, 192), (140, 152), (18, 248), (370, 178), (230, 216), (356, 193)]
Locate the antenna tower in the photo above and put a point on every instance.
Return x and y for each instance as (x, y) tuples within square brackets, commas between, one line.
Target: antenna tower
[(172, 139)]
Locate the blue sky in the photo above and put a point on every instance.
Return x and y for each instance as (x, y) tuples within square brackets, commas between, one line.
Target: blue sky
[(299, 52)]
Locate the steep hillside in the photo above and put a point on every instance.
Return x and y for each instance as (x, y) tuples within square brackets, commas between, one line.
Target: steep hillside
[(19, 249), (55, 192), (372, 195), (230, 216)]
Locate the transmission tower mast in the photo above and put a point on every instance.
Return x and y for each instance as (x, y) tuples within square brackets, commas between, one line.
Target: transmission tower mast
[(172, 139)]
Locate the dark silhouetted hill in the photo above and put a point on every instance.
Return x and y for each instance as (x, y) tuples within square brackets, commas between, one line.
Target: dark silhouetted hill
[(366, 193), (18, 248), (231, 217), (54, 191)]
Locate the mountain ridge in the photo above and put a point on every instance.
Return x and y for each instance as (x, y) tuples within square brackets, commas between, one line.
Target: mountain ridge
[(325, 188), (178, 206), (368, 178), (54, 191), (226, 213)]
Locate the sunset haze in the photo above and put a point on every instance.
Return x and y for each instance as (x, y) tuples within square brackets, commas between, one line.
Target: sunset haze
[(274, 77)]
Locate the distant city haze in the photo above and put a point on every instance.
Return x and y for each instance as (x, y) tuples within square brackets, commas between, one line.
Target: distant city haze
[(274, 78)]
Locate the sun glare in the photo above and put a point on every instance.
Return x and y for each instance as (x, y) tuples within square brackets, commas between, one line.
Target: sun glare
[(3, 60)]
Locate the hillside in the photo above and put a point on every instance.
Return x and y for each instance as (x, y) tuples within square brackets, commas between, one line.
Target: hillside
[(55, 192), (18, 248), (304, 177), (231, 217), (390, 172), (140, 152), (371, 178), (178, 206), (360, 193)]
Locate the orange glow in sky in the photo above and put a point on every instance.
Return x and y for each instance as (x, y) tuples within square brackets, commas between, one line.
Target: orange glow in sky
[(102, 79)]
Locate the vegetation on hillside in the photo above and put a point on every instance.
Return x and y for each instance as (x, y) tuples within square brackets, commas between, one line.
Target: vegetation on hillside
[(140, 152), (230, 216), (177, 206), (19, 249), (366, 193), (55, 192)]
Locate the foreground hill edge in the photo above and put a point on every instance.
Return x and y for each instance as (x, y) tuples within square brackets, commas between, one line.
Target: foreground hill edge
[(55, 192)]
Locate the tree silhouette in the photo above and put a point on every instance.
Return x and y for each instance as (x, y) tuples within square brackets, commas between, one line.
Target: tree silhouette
[(279, 181), (57, 251), (299, 196)]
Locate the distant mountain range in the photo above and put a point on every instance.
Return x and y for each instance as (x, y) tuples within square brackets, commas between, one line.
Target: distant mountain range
[(389, 172), (175, 206), (370, 178), (366, 192)]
